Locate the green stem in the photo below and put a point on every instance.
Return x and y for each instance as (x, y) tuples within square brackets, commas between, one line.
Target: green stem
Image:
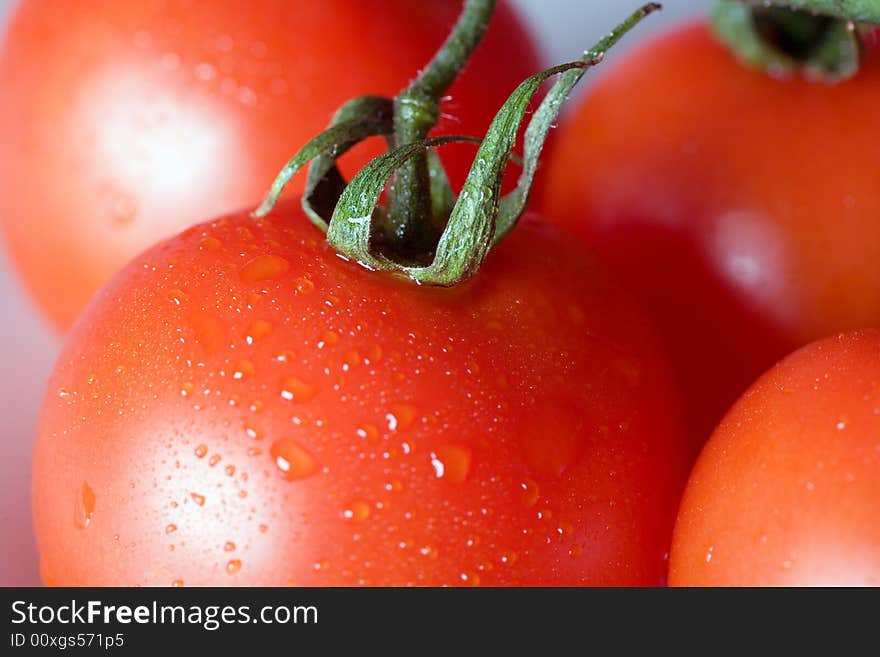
[(786, 41), (860, 11), (416, 112)]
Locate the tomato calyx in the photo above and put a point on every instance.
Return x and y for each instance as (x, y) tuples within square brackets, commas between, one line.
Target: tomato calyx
[(819, 39), (426, 232)]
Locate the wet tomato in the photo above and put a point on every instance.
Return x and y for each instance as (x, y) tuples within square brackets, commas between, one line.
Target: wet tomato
[(787, 491), (122, 123), (240, 405), (743, 209)]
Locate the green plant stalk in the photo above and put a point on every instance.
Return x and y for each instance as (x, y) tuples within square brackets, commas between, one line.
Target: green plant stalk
[(860, 11), (416, 112)]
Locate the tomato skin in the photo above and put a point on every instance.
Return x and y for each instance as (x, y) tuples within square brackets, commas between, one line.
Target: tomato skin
[(122, 123), (741, 208), (787, 490), (511, 430)]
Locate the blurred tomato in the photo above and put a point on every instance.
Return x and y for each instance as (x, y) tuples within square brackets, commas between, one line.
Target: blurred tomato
[(743, 209), (124, 122)]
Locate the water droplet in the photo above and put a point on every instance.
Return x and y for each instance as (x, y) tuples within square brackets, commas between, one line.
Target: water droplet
[(187, 389), (233, 566), (84, 506), (357, 511), (229, 546), (229, 470), (264, 528), (198, 499), (293, 460), (375, 354), (841, 425), (470, 579), (303, 285), (214, 460), (402, 416), (177, 296), (63, 392), (451, 462), (258, 329), (170, 529), (177, 583), (243, 369), (293, 389), (253, 431), (264, 267), (368, 432), (530, 492), (210, 244), (709, 553), (201, 450), (329, 339)]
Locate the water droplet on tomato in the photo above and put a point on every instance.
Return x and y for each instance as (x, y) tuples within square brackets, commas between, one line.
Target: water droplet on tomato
[(170, 529), (253, 431), (243, 369), (198, 499), (401, 416), (210, 244), (258, 329), (303, 285), (201, 450), (293, 460), (63, 392), (228, 546), (264, 528), (187, 389), (358, 511), (177, 296), (451, 462), (214, 460), (229, 470), (177, 583), (530, 492), (264, 267), (233, 566), (84, 506), (293, 389)]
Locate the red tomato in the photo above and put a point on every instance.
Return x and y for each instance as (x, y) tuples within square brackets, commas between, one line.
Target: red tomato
[(240, 405), (122, 123), (787, 491), (742, 209)]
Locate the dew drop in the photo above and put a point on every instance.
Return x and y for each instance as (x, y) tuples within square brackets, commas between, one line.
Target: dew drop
[(451, 462), (229, 546), (170, 529), (84, 506), (264, 267), (243, 369), (198, 499), (187, 389), (293, 389), (402, 416), (63, 392), (303, 285), (177, 583), (210, 244), (258, 329), (293, 461), (233, 566), (253, 431), (264, 528), (201, 450), (177, 296), (357, 511), (214, 460), (530, 492), (229, 470)]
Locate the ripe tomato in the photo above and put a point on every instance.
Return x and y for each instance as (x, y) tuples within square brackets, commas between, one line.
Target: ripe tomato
[(122, 123), (242, 406), (787, 491), (743, 209)]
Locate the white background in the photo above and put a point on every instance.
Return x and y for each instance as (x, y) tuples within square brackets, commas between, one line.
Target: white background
[(28, 347)]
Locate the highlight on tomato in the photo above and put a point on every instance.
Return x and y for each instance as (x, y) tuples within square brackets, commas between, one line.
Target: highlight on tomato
[(122, 123), (739, 200), (787, 490)]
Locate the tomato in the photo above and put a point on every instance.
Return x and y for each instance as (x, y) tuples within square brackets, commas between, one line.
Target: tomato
[(787, 491), (240, 405), (741, 208), (122, 123)]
